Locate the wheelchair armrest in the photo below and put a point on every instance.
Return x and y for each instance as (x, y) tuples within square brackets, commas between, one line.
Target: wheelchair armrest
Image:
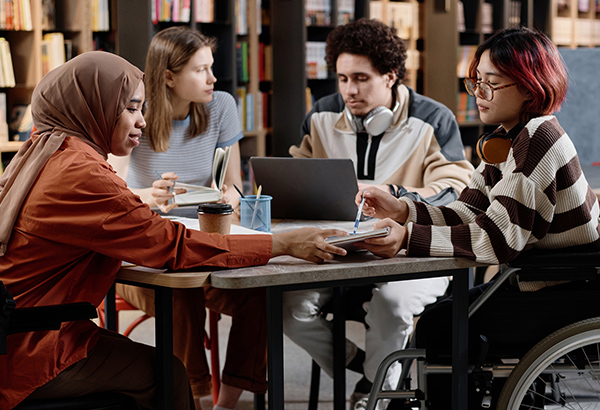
[(49, 317), (556, 259)]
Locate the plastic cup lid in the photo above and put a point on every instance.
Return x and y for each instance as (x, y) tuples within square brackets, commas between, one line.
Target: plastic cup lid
[(216, 209)]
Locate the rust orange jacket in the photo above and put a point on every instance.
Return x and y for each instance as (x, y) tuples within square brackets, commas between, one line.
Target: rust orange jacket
[(77, 224)]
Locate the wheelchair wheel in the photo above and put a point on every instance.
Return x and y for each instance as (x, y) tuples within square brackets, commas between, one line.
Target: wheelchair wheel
[(561, 371)]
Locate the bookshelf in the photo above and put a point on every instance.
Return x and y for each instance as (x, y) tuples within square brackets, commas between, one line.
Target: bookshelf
[(26, 24), (292, 26)]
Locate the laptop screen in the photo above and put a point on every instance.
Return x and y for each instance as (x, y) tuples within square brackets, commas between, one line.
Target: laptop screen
[(308, 188)]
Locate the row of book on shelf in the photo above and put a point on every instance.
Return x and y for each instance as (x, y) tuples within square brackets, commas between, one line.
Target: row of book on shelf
[(318, 12), (316, 67), (467, 108), (99, 9), (241, 17), (254, 115), (100, 15), (55, 51), (265, 62), (403, 16), (180, 11), (582, 5), (15, 15)]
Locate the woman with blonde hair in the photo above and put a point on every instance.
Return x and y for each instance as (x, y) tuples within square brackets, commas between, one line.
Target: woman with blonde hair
[(187, 120)]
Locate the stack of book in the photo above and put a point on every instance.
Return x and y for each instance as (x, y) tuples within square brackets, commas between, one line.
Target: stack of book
[(7, 74)]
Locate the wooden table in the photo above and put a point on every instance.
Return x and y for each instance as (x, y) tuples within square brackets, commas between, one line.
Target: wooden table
[(285, 273)]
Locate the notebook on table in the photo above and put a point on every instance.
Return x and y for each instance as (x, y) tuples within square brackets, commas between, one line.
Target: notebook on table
[(308, 188)]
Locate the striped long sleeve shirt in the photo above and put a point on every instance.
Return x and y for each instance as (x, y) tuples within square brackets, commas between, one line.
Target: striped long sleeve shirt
[(537, 198)]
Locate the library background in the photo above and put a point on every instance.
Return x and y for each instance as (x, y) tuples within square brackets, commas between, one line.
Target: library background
[(271, 52)]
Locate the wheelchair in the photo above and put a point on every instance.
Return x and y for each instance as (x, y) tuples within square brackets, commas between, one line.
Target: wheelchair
[(539, 350)]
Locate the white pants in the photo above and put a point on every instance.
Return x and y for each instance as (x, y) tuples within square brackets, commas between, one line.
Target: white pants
[(389, 316)]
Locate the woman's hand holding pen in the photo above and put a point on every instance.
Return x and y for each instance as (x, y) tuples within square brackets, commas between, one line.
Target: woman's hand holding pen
[(162, 191), (230, 196), (308, 244), (380, 204)]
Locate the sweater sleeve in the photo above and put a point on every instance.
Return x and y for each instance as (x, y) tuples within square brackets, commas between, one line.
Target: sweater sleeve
[(517, 216), (537, 198)]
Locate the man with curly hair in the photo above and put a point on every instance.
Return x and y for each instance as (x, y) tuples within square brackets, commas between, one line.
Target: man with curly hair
[(400, 141)]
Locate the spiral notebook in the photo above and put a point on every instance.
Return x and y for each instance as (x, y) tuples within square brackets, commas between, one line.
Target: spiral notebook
[(308, 188)]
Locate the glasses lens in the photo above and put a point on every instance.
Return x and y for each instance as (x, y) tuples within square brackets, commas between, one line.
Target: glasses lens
[(470, 85), (486, 91)]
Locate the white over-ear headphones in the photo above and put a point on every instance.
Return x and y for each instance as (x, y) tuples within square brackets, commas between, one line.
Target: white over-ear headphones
[(375, 122)]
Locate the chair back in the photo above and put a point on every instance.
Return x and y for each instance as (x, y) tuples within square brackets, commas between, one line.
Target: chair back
[(7, 306)]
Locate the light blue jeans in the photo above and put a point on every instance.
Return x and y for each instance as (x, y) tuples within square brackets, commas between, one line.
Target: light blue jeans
[(390, 316)]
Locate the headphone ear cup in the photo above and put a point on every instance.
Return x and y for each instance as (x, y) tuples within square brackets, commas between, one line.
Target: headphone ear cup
[(378, 120), (493, 148)]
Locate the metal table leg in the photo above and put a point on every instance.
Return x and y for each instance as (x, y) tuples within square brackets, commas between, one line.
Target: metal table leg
[(460, 339), (163, 299), (275, 347), (339, 350)]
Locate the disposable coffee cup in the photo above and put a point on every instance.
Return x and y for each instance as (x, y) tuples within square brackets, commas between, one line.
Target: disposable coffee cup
[(215, 218)]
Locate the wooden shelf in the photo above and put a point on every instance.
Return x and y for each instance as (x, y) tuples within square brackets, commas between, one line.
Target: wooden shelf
[(11, 146)]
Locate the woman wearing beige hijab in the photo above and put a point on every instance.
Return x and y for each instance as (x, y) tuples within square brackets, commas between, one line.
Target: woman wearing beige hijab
[(68, 221)]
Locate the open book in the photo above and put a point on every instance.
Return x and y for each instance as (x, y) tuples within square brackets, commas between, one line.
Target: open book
[(197, 194)]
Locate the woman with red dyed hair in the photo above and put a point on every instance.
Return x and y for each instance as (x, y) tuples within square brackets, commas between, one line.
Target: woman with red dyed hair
[(528, 192)]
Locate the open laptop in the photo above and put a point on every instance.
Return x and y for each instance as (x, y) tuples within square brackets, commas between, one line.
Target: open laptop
[(308, 188)]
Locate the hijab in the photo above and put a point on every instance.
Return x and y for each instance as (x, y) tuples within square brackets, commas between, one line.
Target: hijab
[(82, 98)]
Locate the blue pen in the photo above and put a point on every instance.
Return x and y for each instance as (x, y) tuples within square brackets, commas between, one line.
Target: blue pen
[(360, 208)]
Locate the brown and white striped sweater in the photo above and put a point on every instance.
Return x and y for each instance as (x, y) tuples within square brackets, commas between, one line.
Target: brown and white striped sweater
[(538, 198)]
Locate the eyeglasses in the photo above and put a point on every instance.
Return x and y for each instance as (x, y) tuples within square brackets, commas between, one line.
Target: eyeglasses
[(485, 89)]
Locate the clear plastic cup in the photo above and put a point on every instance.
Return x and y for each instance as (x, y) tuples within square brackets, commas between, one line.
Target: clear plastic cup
[(256, 213)]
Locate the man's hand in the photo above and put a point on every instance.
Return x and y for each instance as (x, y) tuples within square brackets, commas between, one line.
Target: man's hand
[(308, 244)]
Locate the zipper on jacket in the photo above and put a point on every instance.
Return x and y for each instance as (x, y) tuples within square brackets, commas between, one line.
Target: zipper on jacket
[(367, 151)]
